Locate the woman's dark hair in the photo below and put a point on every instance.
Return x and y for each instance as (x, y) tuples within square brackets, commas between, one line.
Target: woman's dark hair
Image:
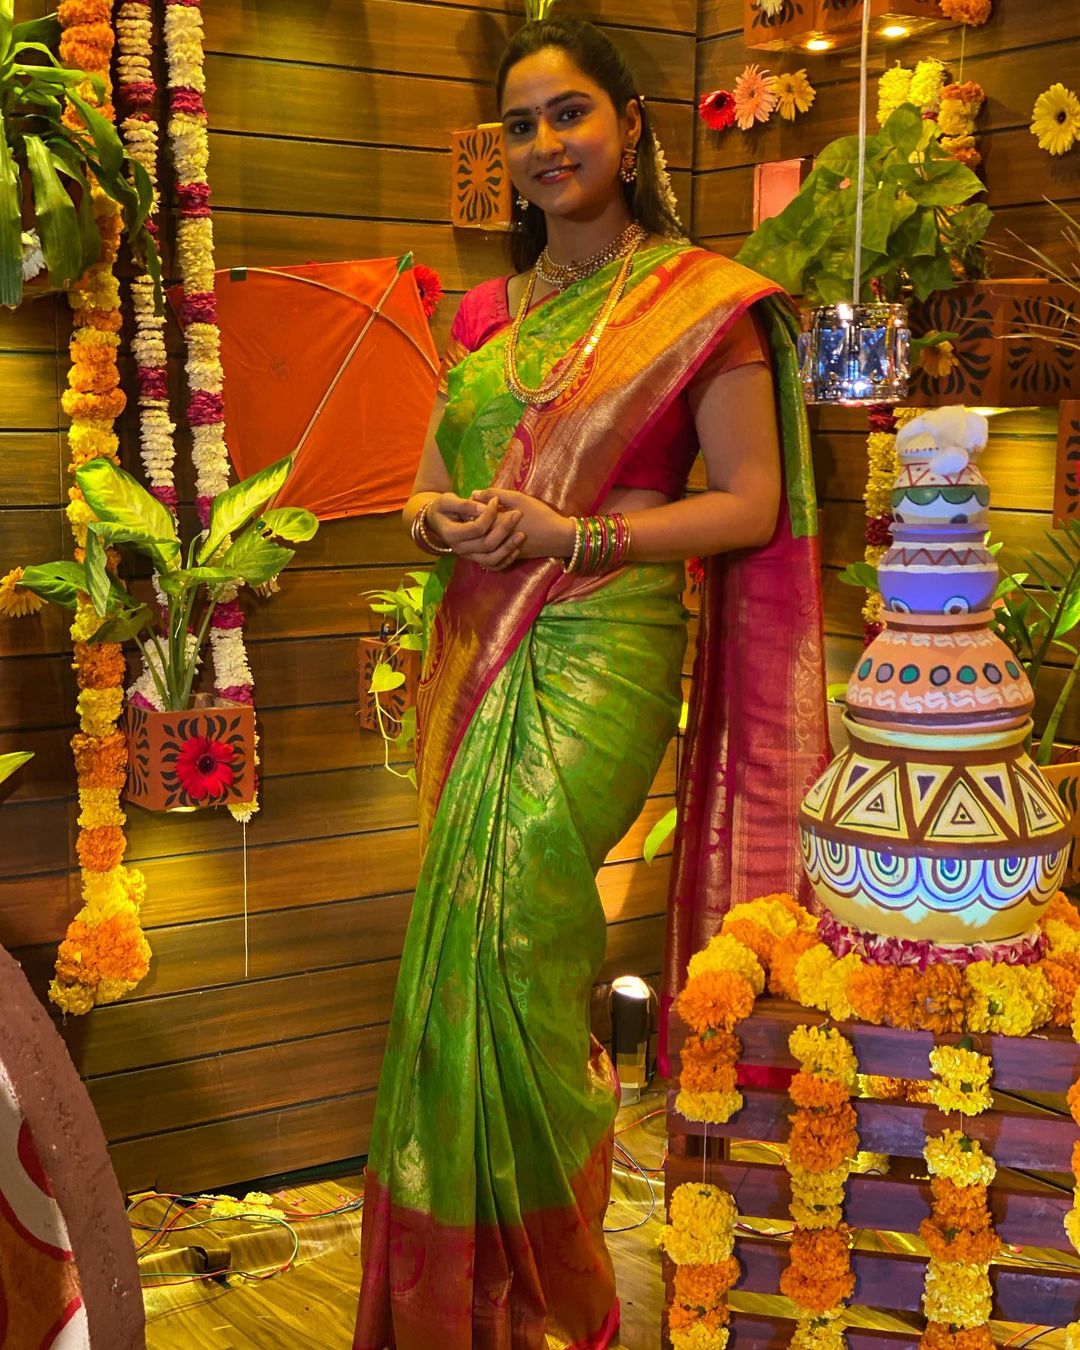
[(598, 57)]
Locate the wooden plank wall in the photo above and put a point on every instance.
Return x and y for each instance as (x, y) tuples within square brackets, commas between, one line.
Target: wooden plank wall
[(329, 141), (1014, 56)]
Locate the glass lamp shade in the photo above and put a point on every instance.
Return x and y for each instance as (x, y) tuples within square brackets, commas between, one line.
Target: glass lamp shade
[(855, 354)]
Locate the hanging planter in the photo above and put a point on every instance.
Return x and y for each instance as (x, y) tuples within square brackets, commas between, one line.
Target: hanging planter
[(394, 690), (180, 761), (854, 354)]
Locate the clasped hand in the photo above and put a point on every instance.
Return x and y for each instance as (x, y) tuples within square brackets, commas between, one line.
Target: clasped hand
[(495, 527)]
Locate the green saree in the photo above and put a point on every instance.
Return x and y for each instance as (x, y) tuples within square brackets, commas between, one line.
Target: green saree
[(547, 703)]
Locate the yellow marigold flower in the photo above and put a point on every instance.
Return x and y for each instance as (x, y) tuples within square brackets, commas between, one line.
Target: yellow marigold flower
[(1072, 1336), (834, 990), (99, 806), (85, 623), (1055, 119), (15, 602), (99, 710), (958, 1159), (962, 1080), (1011, 1000), (957, 1292), (700, 1337), (716, 1108), (71, 998), (893, 88), (1063, 937), (818, 1333), (1072, 1227), (702, 1228), (727, 953), (938, 361), (812, 971), (794, 94), (824, 1051)]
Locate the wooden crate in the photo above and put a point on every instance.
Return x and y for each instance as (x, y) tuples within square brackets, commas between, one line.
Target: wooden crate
[(1023, 1136)]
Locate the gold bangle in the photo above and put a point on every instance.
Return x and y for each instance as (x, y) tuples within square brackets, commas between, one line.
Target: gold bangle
[(425, 539)]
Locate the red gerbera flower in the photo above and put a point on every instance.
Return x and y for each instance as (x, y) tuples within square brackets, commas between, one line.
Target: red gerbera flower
[(717, 110), (695, 568), (429, 285), (204, 767)]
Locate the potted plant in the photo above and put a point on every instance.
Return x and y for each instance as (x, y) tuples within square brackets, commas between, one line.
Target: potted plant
[(190, 751), (46, 219), (390, 667), (920, 234)]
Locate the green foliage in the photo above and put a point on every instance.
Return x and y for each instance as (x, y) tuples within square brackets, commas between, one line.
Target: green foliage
[(15, 759), (538, 9), (659, 834), (914, 219), (128, 514), (1037, 621), (402, 630), (57, 160)]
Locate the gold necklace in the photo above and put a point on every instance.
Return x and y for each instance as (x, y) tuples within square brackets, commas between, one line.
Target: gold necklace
[(561, 275), (550, 388)]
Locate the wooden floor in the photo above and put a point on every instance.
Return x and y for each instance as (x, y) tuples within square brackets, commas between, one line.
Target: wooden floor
[(312, 1305)]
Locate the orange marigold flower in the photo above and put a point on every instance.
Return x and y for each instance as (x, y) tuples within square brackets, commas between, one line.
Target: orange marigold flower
[(112, 949), (715, 998), (760, 941), (1063, 910), (976, 1245), (706, 1287), (107, 406), (99, 664), (1074, 1101), (939, 1336), (943, 999), (959, 1206), (819, 1274), (820, 1143), (720, 1045), (72, 12), (972, 12), (681, 1317), (1076, 1158), (817, 1094), (100, 761), (708, 1075), (97, 379), (785, 954), (1064, 981), (867, 990), (100, 848), (902, 1002)]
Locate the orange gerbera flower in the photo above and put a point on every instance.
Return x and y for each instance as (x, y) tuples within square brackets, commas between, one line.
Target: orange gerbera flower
[(715, 999), (755, 98)]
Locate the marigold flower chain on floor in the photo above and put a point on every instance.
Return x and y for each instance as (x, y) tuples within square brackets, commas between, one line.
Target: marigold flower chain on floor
[(104, 953), (195, 250), (700, 1240)]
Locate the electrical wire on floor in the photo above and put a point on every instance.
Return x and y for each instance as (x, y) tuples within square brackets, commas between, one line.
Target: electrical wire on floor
[(627, 1159), (170, 1222)]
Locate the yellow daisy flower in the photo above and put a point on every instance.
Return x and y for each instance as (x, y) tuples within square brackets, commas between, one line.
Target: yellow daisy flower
[(14, 602), (1055, 119), (794, 93)]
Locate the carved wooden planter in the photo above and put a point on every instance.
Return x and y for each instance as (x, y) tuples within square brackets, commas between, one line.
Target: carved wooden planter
[(480, 194), (186, 760), (841, 20), (992, 372), (1067, 472), (1027, 1212), (394, 701), (1064, 778)]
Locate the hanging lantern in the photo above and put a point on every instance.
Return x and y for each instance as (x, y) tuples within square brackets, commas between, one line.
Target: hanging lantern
[(854, 354)]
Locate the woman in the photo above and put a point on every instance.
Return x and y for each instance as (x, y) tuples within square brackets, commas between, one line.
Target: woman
[(576, 398)]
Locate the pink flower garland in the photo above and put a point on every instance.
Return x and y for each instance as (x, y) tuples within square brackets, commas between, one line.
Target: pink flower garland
[(195, 249)]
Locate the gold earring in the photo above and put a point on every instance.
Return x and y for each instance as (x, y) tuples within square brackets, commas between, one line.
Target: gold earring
[(522, 202), (628, 168)]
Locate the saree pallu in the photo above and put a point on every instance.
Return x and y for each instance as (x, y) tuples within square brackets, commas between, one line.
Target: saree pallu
[(546, 705)]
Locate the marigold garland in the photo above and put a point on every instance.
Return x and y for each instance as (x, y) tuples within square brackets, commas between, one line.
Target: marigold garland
[(700, 1240), (883, 464), (104, 953)]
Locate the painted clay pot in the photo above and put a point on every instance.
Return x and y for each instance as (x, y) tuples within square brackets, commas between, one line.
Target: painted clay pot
[(952, 838), (939, 670), (927, 572)]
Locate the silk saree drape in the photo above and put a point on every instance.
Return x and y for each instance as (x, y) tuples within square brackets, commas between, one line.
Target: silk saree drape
[(546, 705)]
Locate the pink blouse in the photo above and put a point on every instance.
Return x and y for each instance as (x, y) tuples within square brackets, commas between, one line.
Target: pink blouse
[(663, 463)]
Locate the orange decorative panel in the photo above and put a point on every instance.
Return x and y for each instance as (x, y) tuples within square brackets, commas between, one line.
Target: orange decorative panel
[(481, 185)]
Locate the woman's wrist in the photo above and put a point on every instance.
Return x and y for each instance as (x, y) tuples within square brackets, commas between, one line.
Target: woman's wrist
[(567, 536)]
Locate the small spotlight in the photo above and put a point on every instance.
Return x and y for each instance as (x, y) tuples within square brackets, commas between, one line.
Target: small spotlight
[(632, 1005), (895, 30), (819, 44)]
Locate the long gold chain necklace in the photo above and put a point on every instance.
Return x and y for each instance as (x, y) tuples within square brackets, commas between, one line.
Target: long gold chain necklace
[(551, 388), (561, 275)]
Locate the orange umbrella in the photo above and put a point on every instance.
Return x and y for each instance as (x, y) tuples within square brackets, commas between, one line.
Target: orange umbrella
[(335, 363)]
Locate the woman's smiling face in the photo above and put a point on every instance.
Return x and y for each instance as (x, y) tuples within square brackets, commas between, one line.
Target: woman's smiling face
[(564, 139)]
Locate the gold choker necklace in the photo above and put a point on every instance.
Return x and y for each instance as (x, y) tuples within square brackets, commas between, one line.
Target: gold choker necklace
[(561, 275)]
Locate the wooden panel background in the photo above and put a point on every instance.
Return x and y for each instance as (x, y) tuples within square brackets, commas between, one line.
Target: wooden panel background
[(329, 141), (1014, 56)]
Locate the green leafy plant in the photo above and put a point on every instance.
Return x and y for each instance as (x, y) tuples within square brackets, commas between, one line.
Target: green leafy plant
[(1036, 621), (1062, 328), (237, 547), (915, 222), (15, 759), (402, 630), (45, 165), (538, 9)]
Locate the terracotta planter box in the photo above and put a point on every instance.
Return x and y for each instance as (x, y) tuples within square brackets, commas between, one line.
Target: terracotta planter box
[(185, 760), (480, 192), (845, 16), (1064, 778), (394, 701), (795, 21), (1067, 471), (993, 373)]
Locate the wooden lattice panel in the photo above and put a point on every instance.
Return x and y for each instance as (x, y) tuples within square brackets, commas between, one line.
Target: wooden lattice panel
[(1022, 1136)]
